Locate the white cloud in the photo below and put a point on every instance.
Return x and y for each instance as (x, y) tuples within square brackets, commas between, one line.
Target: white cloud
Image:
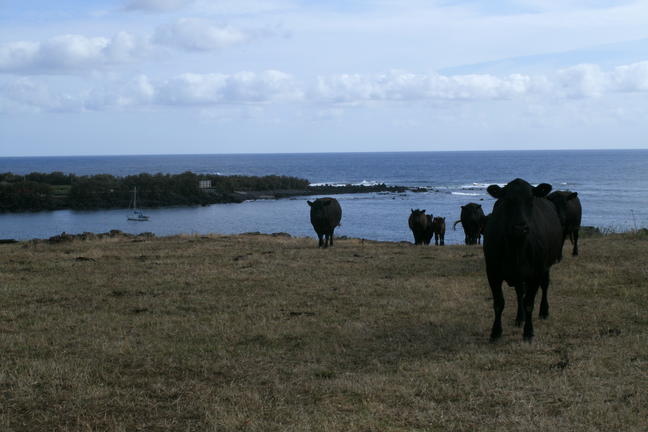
[(136, 92), (186, 90), (403, 86), (157, 5), (36, 96), (198, 35), (72, 53), (631, 78), (17, 55), (589, 80), (582, 81), (329, 93), (242, 87), (69, 53)]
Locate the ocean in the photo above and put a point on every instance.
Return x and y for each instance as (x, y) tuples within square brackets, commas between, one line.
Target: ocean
[(612, 186)]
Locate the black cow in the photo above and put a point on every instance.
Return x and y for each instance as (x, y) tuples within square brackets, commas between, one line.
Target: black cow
[(522, 241), (472, 221), (421, 226), (482, 226), (325, 215), (438, 229), (569, 211)]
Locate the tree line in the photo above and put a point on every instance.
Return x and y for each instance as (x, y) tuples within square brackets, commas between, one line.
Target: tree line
[(50, 191)]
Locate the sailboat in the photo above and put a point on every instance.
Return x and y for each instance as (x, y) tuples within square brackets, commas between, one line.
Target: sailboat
[(135, 214)]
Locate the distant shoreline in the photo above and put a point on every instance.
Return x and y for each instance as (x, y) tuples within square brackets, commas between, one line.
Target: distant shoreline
[(36, 191)]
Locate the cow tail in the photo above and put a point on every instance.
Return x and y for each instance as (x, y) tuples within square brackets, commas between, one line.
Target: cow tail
[(454, 227)]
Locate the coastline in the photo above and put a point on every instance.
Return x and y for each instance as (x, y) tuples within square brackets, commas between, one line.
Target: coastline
[(57, 191)]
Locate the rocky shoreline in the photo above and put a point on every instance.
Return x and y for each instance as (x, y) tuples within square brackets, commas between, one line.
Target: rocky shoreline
[(241, 196)]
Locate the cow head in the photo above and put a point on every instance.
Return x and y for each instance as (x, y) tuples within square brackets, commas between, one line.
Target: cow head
[(560, 200), (516, 200), (318, 204)]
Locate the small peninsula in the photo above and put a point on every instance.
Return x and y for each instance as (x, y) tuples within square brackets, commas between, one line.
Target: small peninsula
[(57, 190)]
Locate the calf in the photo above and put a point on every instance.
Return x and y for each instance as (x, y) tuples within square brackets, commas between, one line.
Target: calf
[(522, 241), (438, 229)]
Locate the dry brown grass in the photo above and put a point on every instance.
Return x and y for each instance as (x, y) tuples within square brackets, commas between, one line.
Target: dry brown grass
[(262, 333)]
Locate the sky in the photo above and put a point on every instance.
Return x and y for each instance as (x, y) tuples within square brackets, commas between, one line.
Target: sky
[(104, 77)]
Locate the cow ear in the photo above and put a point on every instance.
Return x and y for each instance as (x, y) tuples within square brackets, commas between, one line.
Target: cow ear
[(310, 203), (542, 190), (572, 195), (495, 191)]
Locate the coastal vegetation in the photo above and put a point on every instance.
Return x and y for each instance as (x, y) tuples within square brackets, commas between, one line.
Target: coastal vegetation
[(269, 333), (52, 191)]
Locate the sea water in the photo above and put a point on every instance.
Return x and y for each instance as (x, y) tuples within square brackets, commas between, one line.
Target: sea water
[(612, 186)]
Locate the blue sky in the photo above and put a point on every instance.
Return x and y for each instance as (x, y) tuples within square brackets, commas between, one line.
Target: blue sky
[(239, 76)]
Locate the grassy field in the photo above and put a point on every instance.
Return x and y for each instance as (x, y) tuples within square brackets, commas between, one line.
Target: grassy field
[(269, 333)]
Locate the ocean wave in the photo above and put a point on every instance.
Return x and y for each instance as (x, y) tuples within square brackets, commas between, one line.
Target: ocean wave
[(480, 185), (465, 193), (338, 184)]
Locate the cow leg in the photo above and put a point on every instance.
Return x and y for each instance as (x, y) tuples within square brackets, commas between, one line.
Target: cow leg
[(519, 317), (327, 238), (529, 300), (498, 306), (442, 240), (436, 239), (331, 238), (544, 304), (575, 237), (321, 239)]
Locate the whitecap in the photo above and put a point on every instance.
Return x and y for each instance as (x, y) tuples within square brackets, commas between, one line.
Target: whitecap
[(465, 193), (339, 184), (328, 184), (480, 185)]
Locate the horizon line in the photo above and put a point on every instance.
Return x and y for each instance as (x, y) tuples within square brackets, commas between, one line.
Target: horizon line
[(321, 153)]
